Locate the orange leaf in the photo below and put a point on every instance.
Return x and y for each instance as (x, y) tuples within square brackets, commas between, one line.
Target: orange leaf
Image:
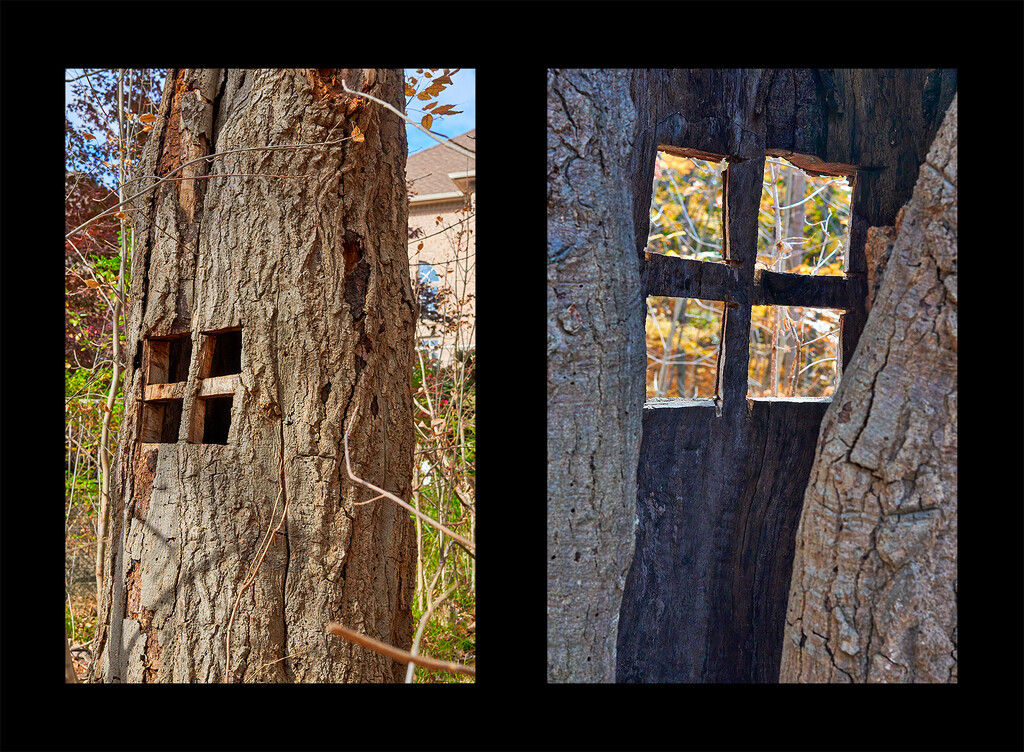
[(91, 283), (446, 109), (88, 135), (357, 135), (427, 121), (148, 118), (409, 91)]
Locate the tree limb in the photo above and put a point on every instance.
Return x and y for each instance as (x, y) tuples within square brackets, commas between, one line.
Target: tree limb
[(197, 159), (443, 141), (465, 542), (397, 654)]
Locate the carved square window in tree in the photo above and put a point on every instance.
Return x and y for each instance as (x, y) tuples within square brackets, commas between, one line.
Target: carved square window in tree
[(781, 280), (220, 363), (216, 419), (793, 351), (227, 353), (803, 221), (686, 205), (683, 342), (165, 374)]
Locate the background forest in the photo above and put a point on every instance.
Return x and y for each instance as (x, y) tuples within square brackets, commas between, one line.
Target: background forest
[(802, 227), (106, 127)]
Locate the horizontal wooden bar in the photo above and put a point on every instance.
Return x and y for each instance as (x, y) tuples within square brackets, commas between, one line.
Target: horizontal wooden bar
[(708, 280), (678, 151), (222, 330), (777, 288), (689, 278), (165, 392), (218, 386)]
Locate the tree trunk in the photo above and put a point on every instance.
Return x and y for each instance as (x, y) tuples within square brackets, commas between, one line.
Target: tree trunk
[(873, 595), (300, 286), (596, 360)]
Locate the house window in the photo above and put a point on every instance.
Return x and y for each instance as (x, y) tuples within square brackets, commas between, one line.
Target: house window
[(432, 347), (779, 296), (429, 294)]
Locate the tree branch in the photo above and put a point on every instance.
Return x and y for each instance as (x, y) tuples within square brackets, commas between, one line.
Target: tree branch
[(397, 654), (443, 141), (198, 159), (466, 543)]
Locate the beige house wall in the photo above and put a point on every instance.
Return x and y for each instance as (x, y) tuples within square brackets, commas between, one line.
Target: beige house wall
[(444, 211)]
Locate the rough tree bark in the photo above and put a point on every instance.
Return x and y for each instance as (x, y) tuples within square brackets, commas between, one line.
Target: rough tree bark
[(873, 595), (596, 360), (314, 272)]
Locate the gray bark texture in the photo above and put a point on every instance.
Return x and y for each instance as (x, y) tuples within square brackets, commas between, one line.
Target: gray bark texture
[(314, 271), (596, 360), (873, 594)]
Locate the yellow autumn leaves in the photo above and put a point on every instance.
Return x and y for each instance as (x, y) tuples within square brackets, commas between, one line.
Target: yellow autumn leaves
[(437, 85)]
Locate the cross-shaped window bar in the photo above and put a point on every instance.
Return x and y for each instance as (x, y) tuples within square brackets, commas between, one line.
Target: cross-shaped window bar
[(737, 280), (167, 386)]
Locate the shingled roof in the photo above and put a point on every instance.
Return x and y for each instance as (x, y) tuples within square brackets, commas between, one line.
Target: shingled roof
[(429, 169)]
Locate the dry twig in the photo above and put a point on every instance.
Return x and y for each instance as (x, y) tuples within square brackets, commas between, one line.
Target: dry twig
[(464, 542), (402, 656)]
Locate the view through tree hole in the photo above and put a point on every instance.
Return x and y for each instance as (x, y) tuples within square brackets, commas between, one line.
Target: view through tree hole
[(171, 422), (683, 344), (802, 344), (179, 357), (686, 207), (804, 220), (169, 359)]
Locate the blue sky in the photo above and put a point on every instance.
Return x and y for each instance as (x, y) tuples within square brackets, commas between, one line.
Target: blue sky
[(461, 95)]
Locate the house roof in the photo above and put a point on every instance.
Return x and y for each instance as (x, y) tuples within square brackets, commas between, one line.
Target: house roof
[(431, 170)]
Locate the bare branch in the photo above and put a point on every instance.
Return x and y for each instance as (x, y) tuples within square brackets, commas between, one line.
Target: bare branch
[(444, 141), (199, 159), (87, 73), (402, 656), (466, 543), (423, 625)]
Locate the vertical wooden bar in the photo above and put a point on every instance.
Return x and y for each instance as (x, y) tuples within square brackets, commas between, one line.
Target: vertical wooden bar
[(742, 200), (197, 424), (152, 422), (159, 354)]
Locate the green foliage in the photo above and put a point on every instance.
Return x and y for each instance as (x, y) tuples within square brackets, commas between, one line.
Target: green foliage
[(450, 635), (80, 622), (445, 456)]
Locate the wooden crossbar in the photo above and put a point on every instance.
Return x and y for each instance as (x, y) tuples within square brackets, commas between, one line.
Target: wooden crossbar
[(218, 386), (214, 386), (707, 280)]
